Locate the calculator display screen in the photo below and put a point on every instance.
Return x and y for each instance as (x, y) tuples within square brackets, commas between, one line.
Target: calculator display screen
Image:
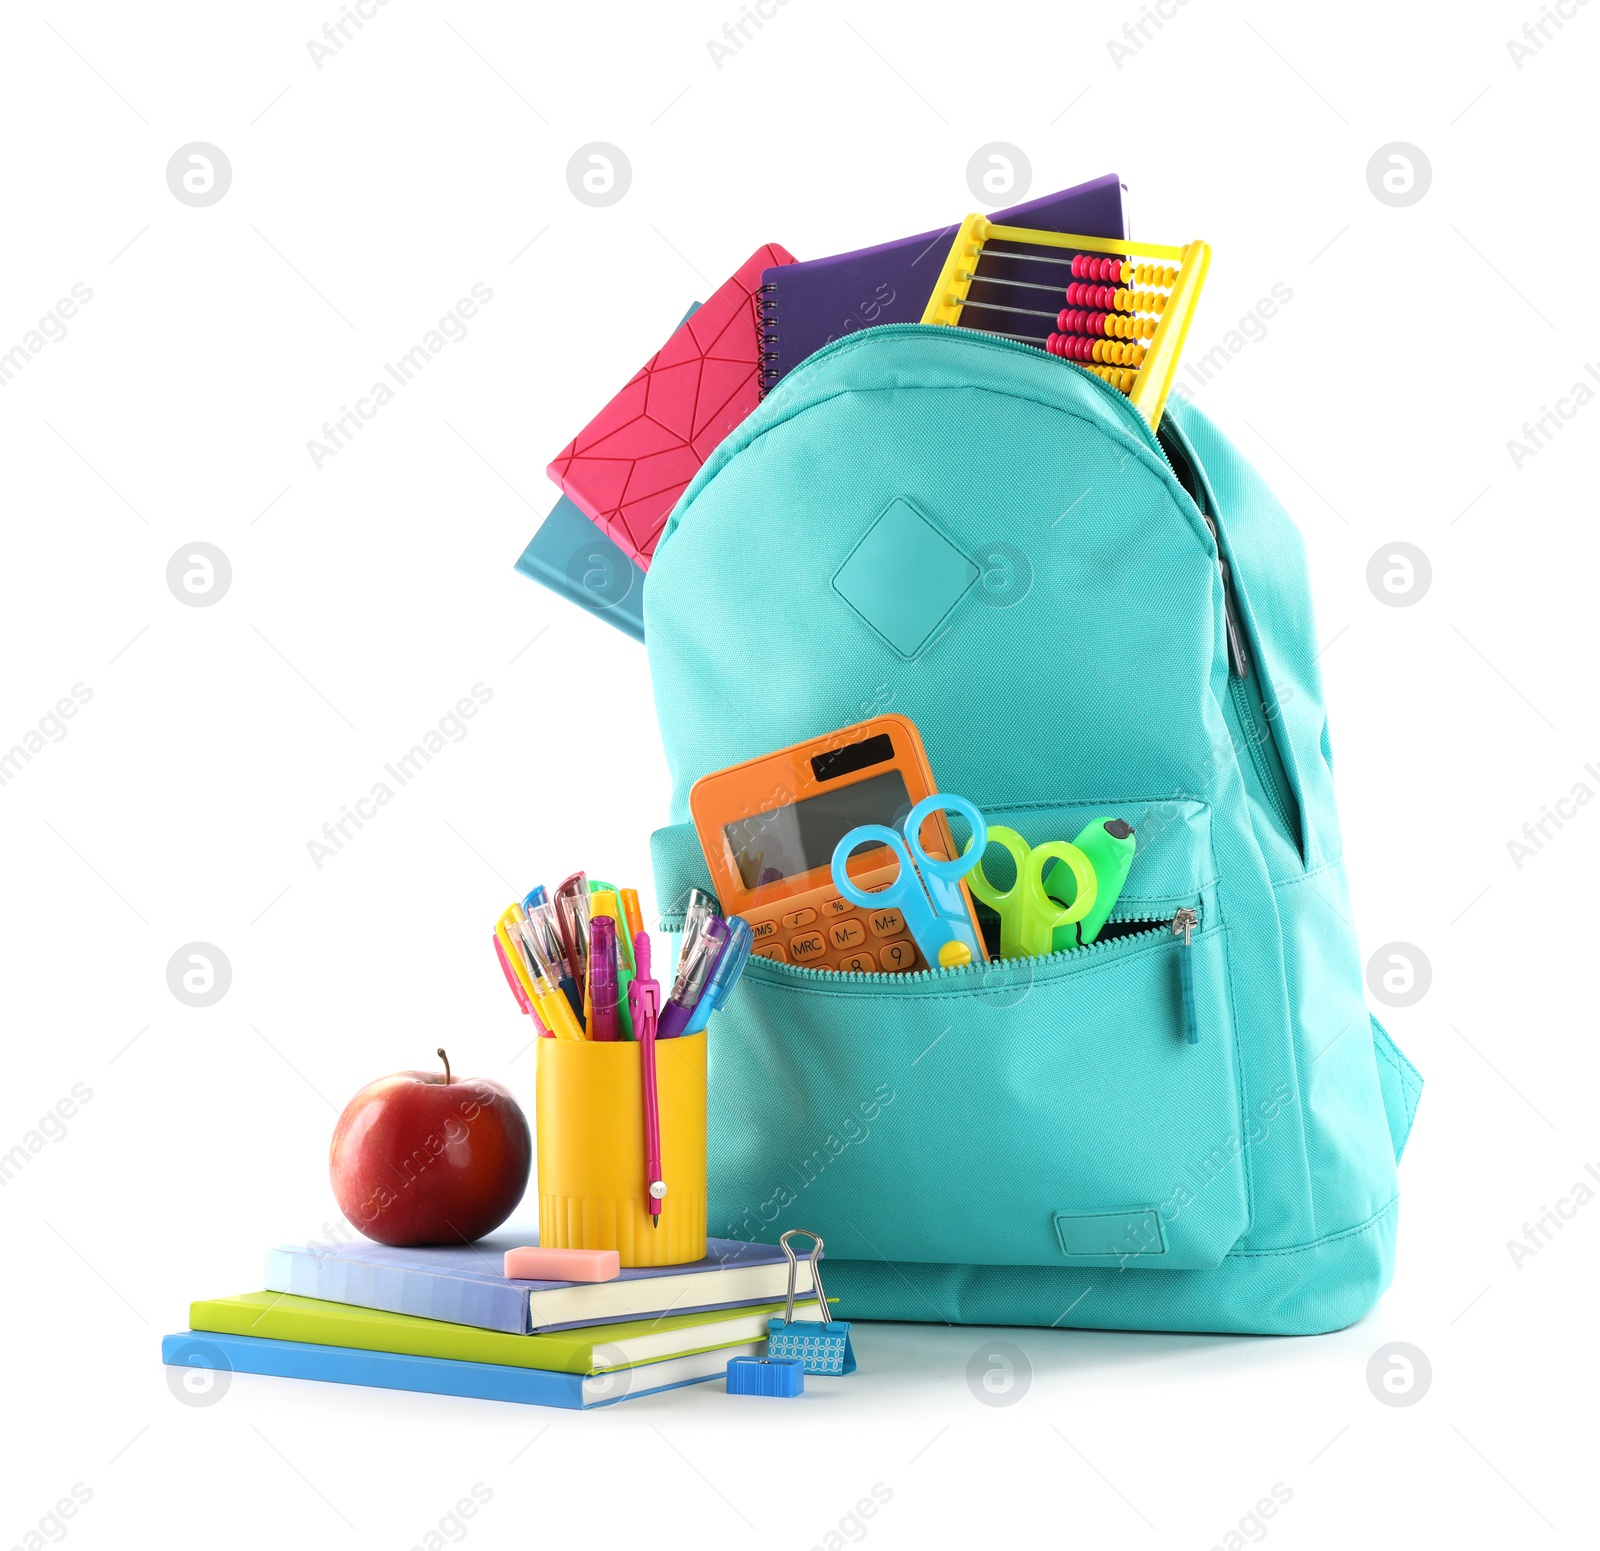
[(785, 842)]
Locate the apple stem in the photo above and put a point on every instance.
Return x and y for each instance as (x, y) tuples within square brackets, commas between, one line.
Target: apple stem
[(446, 1059)]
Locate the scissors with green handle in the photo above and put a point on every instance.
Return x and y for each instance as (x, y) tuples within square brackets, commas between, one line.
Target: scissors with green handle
[(1029, 918)]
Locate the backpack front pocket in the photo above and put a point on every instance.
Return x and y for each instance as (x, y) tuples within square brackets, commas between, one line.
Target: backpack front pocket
[(1077, 1109)]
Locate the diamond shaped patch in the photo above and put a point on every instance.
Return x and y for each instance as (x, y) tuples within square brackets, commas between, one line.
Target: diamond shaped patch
[(905, 577)]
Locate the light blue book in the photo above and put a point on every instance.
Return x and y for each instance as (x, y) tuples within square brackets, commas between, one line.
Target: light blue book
[(465, 1284), (441, 1375), (572, 557)]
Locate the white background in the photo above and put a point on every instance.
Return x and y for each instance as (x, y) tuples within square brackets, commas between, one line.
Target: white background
[(368, 195)]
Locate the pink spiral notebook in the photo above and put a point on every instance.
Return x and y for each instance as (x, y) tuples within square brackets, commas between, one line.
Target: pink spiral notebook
[(627, 467)]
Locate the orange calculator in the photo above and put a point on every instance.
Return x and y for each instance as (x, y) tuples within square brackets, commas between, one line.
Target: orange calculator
[(769, 828)]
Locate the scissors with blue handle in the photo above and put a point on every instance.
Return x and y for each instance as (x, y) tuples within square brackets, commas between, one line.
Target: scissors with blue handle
[(927, 889), (1028, 916)]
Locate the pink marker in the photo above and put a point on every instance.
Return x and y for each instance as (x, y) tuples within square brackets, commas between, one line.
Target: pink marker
[(603, 979)]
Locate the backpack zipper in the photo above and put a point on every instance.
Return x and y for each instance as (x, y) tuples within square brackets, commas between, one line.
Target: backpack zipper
[(1184, 923), (1238, 655), (982, 341)]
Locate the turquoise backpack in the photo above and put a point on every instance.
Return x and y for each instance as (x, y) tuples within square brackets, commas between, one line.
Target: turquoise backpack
[(1082, 619)]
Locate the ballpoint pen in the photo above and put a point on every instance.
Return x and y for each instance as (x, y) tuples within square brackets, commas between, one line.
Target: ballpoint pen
[(699, 909), (603, 979), (730, 965), (538, 953), (645, 996), (695, 969), (546, 923), (514, 961), (571, 903)]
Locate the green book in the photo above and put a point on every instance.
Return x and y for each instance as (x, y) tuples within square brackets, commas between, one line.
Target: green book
[(591, 1350)]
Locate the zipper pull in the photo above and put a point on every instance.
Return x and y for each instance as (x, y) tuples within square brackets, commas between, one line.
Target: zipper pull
[(1184, 923), (1238, 657)]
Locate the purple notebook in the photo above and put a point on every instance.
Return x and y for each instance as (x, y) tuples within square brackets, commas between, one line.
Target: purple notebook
[(806, 305), (463, 1284)]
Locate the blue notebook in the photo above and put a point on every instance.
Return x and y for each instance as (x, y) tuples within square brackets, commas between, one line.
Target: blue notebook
[(575, 558), (463, 1284), (442, 1375), (572, 557)]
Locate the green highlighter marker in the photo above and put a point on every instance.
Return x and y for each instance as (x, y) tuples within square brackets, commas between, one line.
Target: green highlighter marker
[(1109, 845)]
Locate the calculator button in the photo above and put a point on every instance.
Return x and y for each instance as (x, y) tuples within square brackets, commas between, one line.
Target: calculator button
[(885, 923), (762, 931), (807, 945), (799, 918), (898, 955), (858, 964), (837, 907), (772, 950), (846, 934)]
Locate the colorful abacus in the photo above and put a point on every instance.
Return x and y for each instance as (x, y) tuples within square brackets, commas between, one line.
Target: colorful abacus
[(1127, 313)]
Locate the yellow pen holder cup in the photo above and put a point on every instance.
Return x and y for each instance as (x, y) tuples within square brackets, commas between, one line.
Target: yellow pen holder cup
[(590, 1111)]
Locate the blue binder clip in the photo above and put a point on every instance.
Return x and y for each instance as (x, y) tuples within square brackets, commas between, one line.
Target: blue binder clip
[(781, 1376), (823, 1346)]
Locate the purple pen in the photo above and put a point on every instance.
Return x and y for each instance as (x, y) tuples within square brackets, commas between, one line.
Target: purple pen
[(694, 974), (603, 978)]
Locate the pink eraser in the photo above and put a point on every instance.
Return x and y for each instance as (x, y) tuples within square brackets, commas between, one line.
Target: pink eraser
[(563, 1265)]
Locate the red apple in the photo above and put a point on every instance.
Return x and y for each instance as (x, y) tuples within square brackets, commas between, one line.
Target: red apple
[(424, 1158)]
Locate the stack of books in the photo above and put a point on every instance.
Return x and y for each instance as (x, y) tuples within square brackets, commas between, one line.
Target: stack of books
[(444, 1320)]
